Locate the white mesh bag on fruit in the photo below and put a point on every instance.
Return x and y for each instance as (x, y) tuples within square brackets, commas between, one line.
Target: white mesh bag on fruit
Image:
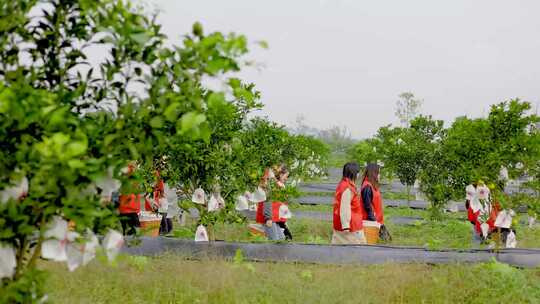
[(201, 235)]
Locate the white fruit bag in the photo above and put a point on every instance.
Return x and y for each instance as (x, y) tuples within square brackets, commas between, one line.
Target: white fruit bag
[(511, 241), (258, 196), (199, 196), (504, 219), (241, 203), (284, 212), (201, 235), (213, 204)]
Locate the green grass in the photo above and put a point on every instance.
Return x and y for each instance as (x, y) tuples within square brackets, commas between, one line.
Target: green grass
[(300, 207), (450, 233), (388, 212), (173, 279), (321, 193), (386, 195), (397, 196), (527, 237)]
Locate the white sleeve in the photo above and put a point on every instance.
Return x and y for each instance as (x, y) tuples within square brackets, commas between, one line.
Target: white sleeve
[(345, 209)]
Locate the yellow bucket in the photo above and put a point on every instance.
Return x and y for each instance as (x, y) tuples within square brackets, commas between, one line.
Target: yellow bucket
[(371, 231)]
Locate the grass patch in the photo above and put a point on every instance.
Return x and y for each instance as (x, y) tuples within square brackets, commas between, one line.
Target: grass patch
[(388, 211), (173, 279), (450, 233), (389, 195), (528, 237), (302, 207), (321, 193), (386, 195)]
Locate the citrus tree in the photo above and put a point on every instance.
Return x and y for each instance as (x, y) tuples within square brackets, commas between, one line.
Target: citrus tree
[(365, 151), (405, 150), (70, 122), (477, 149)]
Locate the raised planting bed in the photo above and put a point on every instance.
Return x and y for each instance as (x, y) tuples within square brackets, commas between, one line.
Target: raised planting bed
[(331, 254), (325, 200), (323, 216)]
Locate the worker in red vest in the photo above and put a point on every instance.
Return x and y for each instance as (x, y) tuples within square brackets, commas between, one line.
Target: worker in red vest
[(478, 213), (348, 212), (129, 207), (371, 195), (274, 212), (371, 199), (162, 205)]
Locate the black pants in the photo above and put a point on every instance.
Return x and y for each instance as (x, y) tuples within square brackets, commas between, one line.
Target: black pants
[(129, 221), (166, 225), (286, 231)]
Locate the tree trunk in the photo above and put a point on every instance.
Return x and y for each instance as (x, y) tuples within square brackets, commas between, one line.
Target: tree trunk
[(409, 195)]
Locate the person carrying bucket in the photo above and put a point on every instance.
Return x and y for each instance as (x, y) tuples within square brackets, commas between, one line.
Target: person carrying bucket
[(348, 212), (371, 200), (130, 205)]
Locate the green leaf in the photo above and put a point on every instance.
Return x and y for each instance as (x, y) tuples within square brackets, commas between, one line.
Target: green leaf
[(191, 120), (205, 132), (171, 112), (141, 38), (58, 116), (5, 95), (157, 122), (59, 140), (76, 148), (217, 65), (216, 100), (75, 163), (109, 139)]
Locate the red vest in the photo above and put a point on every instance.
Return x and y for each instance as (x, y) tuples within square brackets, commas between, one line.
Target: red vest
[(356, 208), (131, 203), (259, 217), (376, 203), (473, 217)]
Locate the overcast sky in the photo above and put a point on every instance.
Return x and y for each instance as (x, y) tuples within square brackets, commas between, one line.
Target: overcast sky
[(340, 62)]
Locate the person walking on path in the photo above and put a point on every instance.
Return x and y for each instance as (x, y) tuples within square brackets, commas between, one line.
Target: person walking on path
[(371, 199), (348, 212), (131, 204)]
